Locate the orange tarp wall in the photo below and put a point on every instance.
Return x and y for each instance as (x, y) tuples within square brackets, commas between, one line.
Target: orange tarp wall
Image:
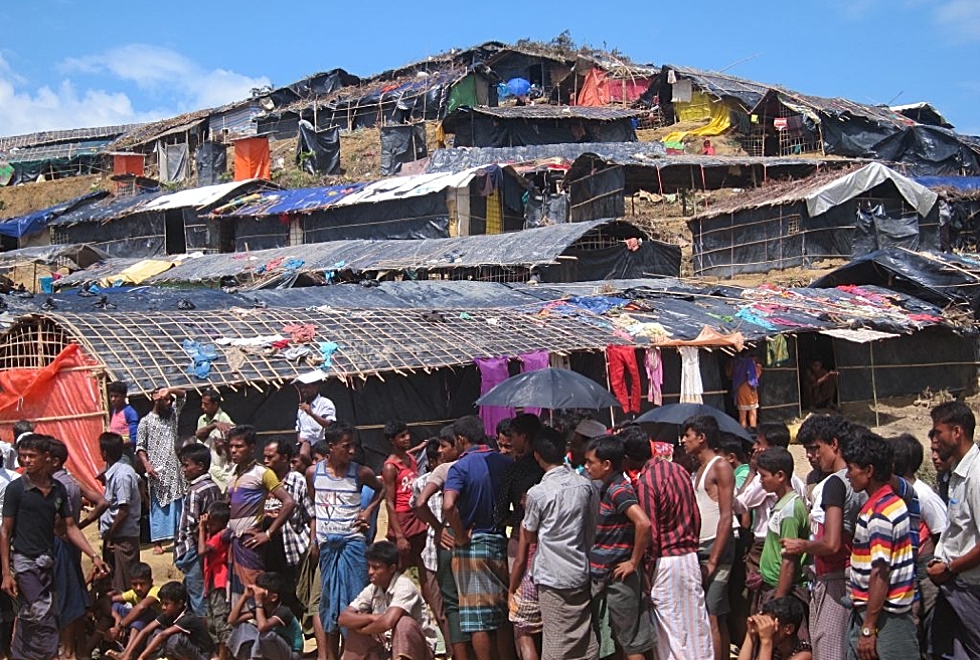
[(127, 164), (252, 158), (67, 396)]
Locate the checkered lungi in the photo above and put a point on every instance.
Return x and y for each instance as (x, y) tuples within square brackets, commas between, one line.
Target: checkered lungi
[(525, 613), (481, 578), (829, 618)]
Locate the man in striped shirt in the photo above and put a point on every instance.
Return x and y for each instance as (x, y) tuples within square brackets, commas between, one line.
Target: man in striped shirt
[(666, 495), (882, 557)]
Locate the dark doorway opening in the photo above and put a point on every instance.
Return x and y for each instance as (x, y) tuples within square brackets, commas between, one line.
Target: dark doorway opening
[(174, 231), (818, 376)]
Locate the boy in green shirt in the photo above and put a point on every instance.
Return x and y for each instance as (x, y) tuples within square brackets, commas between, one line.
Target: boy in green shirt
[(781, 573)]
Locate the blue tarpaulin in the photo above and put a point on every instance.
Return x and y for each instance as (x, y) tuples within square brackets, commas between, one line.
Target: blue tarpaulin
[(958, 182), (275, 202), (37, 221)]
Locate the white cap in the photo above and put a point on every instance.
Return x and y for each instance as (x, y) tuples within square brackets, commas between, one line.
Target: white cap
[(589, 428), (309, 377)]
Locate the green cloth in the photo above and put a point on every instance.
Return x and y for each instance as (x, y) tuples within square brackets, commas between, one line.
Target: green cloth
[(777, 351), (787, 521), (741, 474)]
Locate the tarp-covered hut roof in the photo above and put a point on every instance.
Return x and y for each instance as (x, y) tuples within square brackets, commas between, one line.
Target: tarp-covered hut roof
[(537, 112), (722, 85), (81, 255), (37, 221), (456, 159), (102, 134)]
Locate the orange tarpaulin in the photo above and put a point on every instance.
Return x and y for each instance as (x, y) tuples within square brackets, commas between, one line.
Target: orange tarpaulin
[(127, 164), (594, 91), (67, 400), (252, 158)]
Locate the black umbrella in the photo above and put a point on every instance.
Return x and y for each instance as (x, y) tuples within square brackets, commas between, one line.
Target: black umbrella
[(552, 389), (678, 413)]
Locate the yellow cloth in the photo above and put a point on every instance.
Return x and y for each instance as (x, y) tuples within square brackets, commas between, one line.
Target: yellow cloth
[(138, 272), (701, 107), (495, 220)]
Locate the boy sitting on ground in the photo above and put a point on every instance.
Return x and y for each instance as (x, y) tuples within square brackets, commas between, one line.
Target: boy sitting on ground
[(133, 610), (774, 633), (388, 618), (176, 634), (269, 630)]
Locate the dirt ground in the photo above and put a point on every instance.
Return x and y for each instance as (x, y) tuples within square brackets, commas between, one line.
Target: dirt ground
[(18, 200)]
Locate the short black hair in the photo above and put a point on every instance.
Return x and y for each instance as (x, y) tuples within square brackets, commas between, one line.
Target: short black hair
[(272, 582), (864, 448), (787, 610), (471, 428), (117, 387), (220, 512), (823, 428), (21, 427), (908, 454), (197, 453), (526, 424), (284, 447), (432, 450), (244, 431), (955, 413), (503, 426), (549, 444), (320, 447), (608, 448), (775, 433), (336, 431), (141, 571), (394, 427), (173, 592), (212, 394), (731, 444), (447, 434), (36, 442), (111, 445), (383, 552), (776, 459), (58, 450), (707, 426), (636, 443)]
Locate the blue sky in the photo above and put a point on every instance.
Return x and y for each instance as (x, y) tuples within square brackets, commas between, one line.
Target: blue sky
[(67, 63)]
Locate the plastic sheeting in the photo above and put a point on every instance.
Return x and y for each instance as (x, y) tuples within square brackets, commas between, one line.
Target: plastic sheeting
[(702, 107), (211, 160), (252, 159), (37, 221), (401, 144), (857, 183), (174, 162), (66, 401), (460, 158), (491, 127), (318, 152)]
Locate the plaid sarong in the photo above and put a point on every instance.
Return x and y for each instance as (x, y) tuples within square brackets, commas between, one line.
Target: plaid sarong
[(525, 613), (481, 578)]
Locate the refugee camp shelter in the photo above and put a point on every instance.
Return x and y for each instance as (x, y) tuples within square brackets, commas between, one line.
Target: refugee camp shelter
[(562, 253), (151, 224), (481, 200), (835, 215), (515, 126), (26, 267), (31, 229), (57, 154)]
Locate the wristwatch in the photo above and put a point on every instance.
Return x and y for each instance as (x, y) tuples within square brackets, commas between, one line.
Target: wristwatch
[(868, 632)]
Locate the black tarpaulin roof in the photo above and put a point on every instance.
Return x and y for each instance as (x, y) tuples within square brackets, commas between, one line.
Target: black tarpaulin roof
[(104, 210), (721, 85)]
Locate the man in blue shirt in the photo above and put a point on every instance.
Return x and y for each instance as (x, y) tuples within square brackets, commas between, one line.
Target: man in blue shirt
[(480, 555)]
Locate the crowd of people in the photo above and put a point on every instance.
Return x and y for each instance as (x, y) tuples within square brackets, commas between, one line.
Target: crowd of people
[(561, 541)]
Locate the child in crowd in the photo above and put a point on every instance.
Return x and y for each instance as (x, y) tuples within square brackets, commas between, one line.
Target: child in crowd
[(391, 609), (774, 632), (781, 572), (119, 524), (621, 540), (134, 609), (195, 460), (269, 630), (212, 545), (734, 452), (176, 634)]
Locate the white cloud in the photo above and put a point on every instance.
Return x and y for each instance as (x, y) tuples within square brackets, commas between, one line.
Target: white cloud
[(164, 72), (168, 84), (961, 18)]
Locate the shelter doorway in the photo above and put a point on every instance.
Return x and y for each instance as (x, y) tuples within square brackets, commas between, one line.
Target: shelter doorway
[(174, 232), (817, 392), (226, 235)]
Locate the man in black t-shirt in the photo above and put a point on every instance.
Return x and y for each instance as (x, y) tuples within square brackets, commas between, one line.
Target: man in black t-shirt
[(32, 506), (177, 632)]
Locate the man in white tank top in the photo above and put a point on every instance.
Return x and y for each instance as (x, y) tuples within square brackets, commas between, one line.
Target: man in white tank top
[(714, 489)]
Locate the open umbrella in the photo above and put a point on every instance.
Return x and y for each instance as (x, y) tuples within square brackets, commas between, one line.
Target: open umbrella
[(678, 413), (553, 389)]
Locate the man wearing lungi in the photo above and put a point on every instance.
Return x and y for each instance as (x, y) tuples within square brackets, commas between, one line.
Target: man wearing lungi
[(480, 555)]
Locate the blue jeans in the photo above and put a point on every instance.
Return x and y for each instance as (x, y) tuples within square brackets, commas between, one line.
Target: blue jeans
[(190, 566)]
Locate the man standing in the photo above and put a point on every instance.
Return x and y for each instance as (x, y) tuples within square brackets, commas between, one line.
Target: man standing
[(714, 489), (480, 555), (956, 568), (212, 428), (314, 413), (667, 497), (32, 506), (156, 442), (882, 582), (119, 524)]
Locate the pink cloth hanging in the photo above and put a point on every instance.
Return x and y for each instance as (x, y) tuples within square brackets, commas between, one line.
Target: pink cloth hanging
[(655, 376), (533, 362), (493, 371)]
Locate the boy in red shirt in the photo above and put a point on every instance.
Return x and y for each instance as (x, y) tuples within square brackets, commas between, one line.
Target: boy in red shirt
[(213, 546)]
